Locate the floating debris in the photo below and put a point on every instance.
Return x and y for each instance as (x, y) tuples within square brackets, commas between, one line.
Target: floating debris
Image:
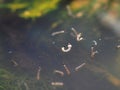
[(14, 62), (56, 33), (59, 72), (38, 73), (69, 46), (57, 83), (95, 42), (93, 52), (67, 70), (80, 66)]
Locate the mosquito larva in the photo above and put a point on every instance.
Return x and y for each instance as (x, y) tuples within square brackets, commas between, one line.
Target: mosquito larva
[(59, 72), (67, 70), (38, 73), (118, 46), (77, 35), (57, 83), (95, 42), (93, 52), (74, 31), (80, 66), (69, 46), (14, 62), (56, 33)]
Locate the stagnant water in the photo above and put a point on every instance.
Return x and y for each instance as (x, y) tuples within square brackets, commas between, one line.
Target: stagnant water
[(34, 46)]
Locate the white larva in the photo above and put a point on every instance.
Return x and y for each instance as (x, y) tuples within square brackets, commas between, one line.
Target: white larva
[(59, 32), (59, 72), (57, 83), (38, 73), (80, 66), (67, 49), (66, 69), (118, 46), (79, 37), (95, 42)]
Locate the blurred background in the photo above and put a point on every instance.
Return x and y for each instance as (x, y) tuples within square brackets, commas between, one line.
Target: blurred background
[(34, 37)]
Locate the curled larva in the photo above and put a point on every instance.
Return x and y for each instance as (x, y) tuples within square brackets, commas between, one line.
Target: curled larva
[(69, 46)]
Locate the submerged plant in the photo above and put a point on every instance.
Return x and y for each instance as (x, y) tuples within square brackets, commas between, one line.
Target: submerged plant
[(6, 80), (30, 8), (10, 81)]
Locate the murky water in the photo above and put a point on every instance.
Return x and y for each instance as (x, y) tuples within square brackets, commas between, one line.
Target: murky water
[(33, 46)]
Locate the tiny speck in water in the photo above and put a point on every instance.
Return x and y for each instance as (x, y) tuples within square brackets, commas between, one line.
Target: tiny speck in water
[(53, 42), (10, 52)]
